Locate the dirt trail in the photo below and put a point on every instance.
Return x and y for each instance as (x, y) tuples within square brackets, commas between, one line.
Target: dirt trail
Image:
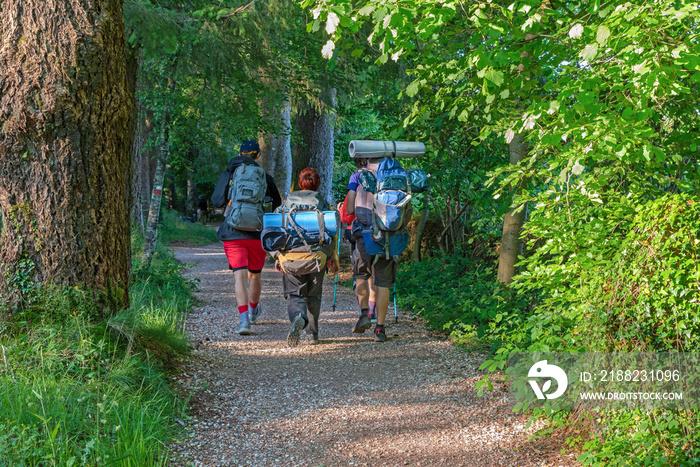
[(347, 401)]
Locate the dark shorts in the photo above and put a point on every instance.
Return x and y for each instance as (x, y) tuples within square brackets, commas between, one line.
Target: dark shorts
[(382, 272), (245, 254)]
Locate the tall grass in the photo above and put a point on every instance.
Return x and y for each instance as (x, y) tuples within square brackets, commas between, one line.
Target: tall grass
[(78, 390)]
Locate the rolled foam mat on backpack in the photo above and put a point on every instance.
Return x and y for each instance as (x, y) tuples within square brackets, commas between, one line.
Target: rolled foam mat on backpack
[(377, 149), (307, 220)]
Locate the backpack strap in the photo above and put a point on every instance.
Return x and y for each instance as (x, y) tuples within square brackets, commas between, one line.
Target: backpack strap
[(298, 231), (321, 227)]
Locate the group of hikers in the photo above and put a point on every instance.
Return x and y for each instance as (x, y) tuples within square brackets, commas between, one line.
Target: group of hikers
[(242, 187)]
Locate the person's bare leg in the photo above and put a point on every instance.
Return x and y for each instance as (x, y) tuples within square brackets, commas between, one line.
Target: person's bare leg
[(241, 291), (254, 287), (363, 293), (241, 287), (363, 290), (372, 290), (383, 295)]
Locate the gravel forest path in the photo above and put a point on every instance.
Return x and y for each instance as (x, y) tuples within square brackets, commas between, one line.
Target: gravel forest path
[(348, 401)]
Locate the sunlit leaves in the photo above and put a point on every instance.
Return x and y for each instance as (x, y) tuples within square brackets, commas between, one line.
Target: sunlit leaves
[(602, 34), (332, 23), (576, 31)]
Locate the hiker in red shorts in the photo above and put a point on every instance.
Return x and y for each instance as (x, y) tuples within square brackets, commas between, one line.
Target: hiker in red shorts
[(242, 245)]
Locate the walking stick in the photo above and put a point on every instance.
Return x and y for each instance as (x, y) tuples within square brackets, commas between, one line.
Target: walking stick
[(396, 313), (335, 287)]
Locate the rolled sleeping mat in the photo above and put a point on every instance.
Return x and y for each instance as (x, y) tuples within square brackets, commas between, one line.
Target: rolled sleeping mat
[(378, 149), (307, 220)]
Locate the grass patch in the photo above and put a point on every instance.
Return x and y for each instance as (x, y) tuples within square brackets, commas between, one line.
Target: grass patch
[(173, 229), (78, 390)]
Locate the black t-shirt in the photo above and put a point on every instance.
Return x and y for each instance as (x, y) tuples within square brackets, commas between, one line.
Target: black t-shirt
[(220, 198)]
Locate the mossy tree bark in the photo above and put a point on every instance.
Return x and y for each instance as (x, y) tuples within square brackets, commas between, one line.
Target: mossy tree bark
[(315, 147), (137, 157), (275, 146), (66, 107), (511, 243), (323, 149)]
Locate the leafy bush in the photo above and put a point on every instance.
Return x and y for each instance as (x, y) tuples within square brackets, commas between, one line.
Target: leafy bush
[(634, 287), (459, 294)]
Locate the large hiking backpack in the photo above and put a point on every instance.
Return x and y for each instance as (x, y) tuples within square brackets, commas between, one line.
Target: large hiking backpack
[(391, 210), (247, 187), (392, 201), (299, 234)]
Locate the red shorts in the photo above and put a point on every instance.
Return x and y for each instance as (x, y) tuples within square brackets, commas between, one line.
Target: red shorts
[(245, 254)]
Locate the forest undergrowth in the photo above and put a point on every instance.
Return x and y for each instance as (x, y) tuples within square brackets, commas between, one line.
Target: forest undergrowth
[(639, 293), (80, 388)]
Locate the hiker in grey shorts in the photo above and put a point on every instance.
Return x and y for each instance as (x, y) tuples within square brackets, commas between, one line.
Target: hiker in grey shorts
[(382, 271)]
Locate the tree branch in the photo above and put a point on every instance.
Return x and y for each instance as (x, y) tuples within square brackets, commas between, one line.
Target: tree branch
[(236, 11)]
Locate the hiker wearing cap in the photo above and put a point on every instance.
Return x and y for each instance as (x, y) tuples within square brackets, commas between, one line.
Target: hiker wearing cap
[(303, 268), (374, 275), (242, 188)]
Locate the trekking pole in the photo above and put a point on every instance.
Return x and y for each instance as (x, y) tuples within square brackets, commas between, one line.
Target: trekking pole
[(335, 287), (396, 313)]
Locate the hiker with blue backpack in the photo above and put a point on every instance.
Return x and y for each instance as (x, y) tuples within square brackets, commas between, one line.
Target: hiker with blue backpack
[(242, 188), (367, 297), (301, 235), (380, 197)]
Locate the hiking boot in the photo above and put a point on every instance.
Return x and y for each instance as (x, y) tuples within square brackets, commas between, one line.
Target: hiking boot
[(373, 318), (294, 333), (379, 335), (312, 339), (362, 324), (254, 313), (244, 327)]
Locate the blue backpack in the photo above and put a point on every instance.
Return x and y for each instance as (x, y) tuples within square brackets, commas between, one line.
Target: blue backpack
[(391, 211)]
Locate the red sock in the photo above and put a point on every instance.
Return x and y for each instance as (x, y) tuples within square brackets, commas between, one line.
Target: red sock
[(242, 309), (253, 305)]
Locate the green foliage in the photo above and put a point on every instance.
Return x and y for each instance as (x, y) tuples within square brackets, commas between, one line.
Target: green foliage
[(657, 438), (633, 289), (78, 390), (459, 294), (606, 96)]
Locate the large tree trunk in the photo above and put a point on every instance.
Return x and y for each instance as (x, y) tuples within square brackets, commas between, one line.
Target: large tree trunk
[(322, 149), (149, 161), (315, 145), (304, 128), (137, 173), (149, 246), (275, 147), (66, 110), (137, 161), (511, 243)]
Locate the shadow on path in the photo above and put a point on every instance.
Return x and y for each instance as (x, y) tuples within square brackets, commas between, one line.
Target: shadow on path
[(347, 401)]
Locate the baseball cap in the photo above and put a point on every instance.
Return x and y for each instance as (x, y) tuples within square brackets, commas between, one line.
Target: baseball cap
[(249, 148)]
